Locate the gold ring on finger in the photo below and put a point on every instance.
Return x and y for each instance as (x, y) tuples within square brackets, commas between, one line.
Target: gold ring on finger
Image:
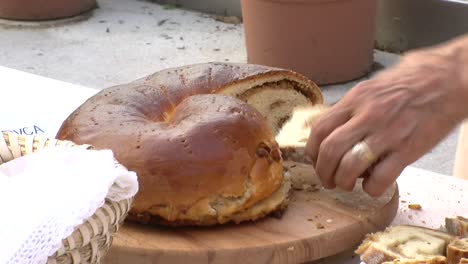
[(363, 152)]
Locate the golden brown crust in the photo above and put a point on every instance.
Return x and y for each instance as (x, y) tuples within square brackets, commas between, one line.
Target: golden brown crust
[(217, 77), (457, 249), (200, 159), (244, 81), (211, 147), (274, 205), (457, 226)]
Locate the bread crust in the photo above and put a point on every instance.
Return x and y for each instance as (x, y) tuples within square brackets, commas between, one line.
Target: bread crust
[(389, 246), (457, 249), (453, 251), (202, 156), (241, 80), (457, 226)]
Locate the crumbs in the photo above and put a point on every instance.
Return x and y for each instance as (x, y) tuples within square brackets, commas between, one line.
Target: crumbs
[(306, 187), (414, 206), (310, 187), (319, 226)]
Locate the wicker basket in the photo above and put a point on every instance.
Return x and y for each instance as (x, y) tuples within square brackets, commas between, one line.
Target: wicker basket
[(91, 240)]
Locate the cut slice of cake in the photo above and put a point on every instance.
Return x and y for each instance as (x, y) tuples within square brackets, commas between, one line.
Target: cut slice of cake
[(457, 226), (293, 135), (404, 243), (457, 250), (432, 260)]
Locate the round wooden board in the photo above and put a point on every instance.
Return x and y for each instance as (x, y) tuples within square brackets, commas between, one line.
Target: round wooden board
[(317, 223)]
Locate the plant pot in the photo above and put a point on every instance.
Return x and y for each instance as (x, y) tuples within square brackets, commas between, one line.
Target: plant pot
[(329, 41), (35, 10), (412, 24)]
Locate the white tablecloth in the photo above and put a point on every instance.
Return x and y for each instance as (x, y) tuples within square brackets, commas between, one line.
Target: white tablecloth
[(32, 104)]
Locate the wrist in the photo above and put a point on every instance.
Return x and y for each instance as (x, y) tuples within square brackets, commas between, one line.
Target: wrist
[(452, 57), (455, 53), (458, 52)]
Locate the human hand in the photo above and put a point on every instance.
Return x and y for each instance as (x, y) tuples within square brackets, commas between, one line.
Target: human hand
[(400, 114)]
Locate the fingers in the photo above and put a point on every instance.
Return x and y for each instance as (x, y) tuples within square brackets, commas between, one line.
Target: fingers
[(380, 141), (352, 167), (384, 174), (336, 165), (328, 122), (333, 148)]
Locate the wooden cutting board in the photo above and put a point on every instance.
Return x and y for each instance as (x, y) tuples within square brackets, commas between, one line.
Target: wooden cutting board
[(317, 223)]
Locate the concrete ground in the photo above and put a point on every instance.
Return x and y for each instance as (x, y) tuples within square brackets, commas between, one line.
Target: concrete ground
[(126, 39)]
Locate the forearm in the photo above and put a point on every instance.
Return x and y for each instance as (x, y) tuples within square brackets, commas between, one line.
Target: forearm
[(457, 51), (452, 57)]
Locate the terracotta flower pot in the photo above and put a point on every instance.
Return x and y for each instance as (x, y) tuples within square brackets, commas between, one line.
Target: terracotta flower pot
[(34, 10), (330, 41)]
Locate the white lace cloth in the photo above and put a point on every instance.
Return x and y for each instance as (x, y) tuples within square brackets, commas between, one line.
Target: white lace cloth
[(44, 195)]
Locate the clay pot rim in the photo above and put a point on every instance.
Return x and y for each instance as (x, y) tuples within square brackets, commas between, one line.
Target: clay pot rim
[(302, 2), (53, 10)]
